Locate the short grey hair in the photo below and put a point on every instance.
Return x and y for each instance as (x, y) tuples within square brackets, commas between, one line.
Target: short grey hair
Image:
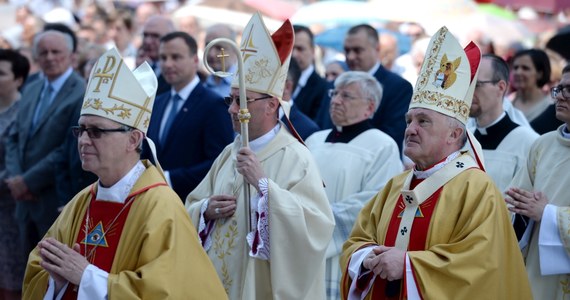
[(454, 123), (369, 86), (38, 37)]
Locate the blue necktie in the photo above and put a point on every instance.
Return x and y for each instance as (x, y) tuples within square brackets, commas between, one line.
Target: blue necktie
[(171, 116), (43, 104)]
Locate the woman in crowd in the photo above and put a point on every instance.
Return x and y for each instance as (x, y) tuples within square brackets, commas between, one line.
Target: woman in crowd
[(531, 71), (14, 69)]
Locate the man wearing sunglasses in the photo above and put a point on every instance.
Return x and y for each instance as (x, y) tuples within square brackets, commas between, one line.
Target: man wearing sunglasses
[(283, 255), (127, 235)]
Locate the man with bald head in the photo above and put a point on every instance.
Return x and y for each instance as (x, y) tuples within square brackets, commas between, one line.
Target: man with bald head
[(47, 107), (155, 28), (220, 58)]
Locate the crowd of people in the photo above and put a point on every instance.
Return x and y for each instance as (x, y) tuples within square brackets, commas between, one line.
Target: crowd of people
[(438, 174)]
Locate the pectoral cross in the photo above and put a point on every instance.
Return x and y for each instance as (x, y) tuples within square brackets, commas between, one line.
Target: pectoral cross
[(223, 57)]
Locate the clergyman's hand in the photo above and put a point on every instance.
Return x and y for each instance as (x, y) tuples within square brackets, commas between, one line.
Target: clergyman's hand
[(526, 203), (391, 262), (220, 206), (62, 262), (249, 166)]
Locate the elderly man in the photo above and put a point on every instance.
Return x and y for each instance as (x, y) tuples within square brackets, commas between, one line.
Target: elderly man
[(362, 48), (126, 236), (505, 144), (369, 159), (283, 256), (35, 142), (440, 231), (220, 58), (540, 192)]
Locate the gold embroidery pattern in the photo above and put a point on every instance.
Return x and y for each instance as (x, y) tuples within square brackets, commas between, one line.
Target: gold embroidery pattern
[(146, 122), (563, 219), (97, 104), (565, 285), (223, 246), (431, 59), (455, 106), (258, 71)]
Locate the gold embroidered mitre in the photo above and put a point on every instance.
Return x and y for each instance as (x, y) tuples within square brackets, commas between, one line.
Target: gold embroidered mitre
[(265, 57), (448, 76), (119, 94)]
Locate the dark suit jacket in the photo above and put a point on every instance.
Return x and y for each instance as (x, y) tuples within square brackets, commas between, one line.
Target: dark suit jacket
[(304, 126), (390, 115), (310, 96), (163, 86), (33, 154), (199, 133)]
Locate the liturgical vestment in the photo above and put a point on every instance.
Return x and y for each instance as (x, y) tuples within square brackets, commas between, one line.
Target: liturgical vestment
[(300, 224), (547, 170), (361, 168), (158, 255), (467, 249)]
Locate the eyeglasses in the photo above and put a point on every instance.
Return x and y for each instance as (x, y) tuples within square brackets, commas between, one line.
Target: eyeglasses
[(480, 83), (342, 95), (563, 90), (230, 100), (94, 132)]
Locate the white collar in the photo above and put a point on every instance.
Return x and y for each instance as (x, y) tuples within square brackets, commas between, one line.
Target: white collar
[(563, 130), (305, 76), (262, 141), (483, 130), (120, 190), (427, 173), (374, 68), (185, 92)]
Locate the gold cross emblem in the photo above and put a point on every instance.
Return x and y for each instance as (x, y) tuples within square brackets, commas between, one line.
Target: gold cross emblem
[(103, 74), (223, 56)]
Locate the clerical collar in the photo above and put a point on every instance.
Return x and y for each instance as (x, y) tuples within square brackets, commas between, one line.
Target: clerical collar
[(483, 130), (427, 173), (564, 131), (491, 136), (263, 140), (345, 134), (120, 190), (374, 69)]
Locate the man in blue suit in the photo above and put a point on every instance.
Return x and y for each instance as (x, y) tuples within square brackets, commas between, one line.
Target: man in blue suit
[(189, 123), (362, 47), (303, 124)]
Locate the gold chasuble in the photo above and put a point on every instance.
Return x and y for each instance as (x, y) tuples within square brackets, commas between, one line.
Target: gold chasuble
[(470, 252), (137, 248)]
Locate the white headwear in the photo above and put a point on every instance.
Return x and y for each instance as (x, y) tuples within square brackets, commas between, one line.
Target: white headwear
[(266, 57), (448, 76), (447, 80), (119, 94)]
